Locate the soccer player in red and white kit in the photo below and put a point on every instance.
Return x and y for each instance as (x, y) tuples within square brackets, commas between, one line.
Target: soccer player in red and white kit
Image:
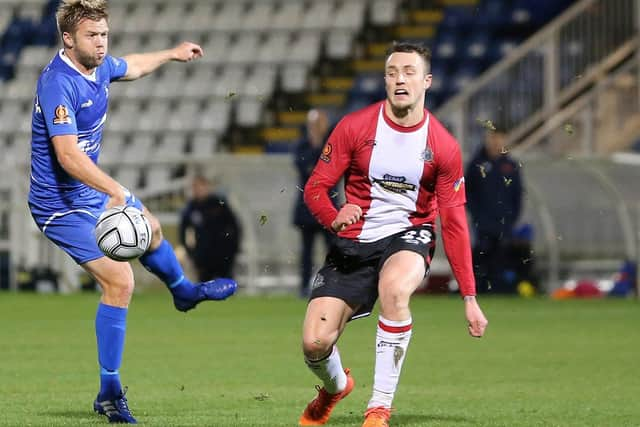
[(401, 168)]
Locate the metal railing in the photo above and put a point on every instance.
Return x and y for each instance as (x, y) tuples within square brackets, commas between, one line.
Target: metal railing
[(550, 69)]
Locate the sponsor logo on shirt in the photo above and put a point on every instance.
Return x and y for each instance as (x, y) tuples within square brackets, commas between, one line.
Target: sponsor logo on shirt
[(458, 184), (62, 116), (325, 156), (395, 184)]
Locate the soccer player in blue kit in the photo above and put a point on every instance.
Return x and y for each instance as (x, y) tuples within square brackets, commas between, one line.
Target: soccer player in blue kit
[(69, 191)]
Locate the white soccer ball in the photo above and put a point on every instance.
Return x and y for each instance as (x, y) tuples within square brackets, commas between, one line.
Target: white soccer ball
[(123, 233)]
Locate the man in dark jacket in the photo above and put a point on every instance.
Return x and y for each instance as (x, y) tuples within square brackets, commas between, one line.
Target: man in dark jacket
[(494, 199), (209, 231), (306, 155)]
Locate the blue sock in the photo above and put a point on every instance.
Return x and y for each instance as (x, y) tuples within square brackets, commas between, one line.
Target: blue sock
[(163, 263), (111, 325)]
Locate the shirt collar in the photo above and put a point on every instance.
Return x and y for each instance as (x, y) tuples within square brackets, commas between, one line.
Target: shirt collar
[(68, 61)]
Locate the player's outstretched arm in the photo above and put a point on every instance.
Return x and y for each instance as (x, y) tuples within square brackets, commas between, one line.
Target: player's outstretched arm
[(79, 165), (141, 64)]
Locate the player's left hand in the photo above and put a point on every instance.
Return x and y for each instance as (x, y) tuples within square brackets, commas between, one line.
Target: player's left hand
[(476, 321), (187, 51)]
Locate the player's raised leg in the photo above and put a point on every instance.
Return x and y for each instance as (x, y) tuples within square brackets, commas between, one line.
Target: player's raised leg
[(116, 280), (401, 274), (324, 322), (161, 260)]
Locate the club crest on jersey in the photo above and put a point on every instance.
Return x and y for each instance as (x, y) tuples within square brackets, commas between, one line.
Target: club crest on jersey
[(62, 116), (325, 156), (427, 155), (458, 184), (394, 184)]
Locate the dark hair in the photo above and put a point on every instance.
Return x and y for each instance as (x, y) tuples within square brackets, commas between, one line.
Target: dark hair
[(71, 12), (408, 47)]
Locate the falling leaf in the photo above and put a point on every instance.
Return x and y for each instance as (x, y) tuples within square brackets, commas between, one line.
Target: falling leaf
[(568, 128), (334, 194), (507, 181), (221, 202), (526, 260), (263, 219), (483, 171), (283, 189), (504, 150), (488, 124), (290, 109), (300, 189), (230, 95)]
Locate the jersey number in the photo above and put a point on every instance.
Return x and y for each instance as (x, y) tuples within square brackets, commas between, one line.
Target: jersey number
[(417, 237)]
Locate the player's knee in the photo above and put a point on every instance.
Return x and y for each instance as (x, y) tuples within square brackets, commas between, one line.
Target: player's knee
[(316, 346), (394, 298)]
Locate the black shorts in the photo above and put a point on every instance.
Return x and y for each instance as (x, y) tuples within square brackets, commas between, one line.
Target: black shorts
[(351, 269)]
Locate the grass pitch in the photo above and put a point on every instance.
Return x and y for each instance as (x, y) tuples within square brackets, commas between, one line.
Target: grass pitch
[(238, 363)]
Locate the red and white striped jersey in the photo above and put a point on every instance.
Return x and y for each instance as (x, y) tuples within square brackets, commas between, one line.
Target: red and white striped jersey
[(399, 176)]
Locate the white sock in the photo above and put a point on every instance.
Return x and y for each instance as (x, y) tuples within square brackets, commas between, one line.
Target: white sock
[(330, 371), (392, 341)]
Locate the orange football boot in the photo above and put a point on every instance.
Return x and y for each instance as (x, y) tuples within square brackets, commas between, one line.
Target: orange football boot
[(319, 409), (377, 417)]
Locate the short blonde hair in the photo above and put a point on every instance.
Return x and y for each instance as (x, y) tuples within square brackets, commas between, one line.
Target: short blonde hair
[(71, 12)]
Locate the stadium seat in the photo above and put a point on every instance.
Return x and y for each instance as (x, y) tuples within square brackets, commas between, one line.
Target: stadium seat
[(171, 145), (215, 117), (339, 44), (294, 77), (349, 15), (180, 119), (249, 112), (259, 17), (305, 49), (244, 49), (274, 50), (200, 16), (141, 19), (171, 18), (157, 177), (383, 12), (203, 144), (228, 17), (289, 16), (215, 48), (319, 16), (261, 81)]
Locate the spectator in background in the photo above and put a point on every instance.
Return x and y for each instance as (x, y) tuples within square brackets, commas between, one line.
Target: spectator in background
[(306, 154), (494, 200), (209, 231)]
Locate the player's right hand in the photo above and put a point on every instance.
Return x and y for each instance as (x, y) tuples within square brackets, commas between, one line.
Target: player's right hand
[(119, 198), (476, 321), (349, 214)]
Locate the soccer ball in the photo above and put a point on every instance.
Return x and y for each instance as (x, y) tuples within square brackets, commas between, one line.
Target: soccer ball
[(123, 233)]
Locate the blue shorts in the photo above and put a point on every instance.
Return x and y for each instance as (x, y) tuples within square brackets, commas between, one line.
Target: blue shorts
[(69, 218)]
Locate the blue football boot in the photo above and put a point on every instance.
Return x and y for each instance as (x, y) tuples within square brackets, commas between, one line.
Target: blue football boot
[(215, 290), (116, 410)]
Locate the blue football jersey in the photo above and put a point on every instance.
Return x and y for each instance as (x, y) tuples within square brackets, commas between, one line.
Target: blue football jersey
[(68, 102)]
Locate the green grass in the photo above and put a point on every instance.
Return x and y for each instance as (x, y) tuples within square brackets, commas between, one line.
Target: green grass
[(238, 363)]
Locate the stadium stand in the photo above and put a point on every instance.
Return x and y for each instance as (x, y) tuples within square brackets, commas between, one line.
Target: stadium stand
[(268, 61)]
